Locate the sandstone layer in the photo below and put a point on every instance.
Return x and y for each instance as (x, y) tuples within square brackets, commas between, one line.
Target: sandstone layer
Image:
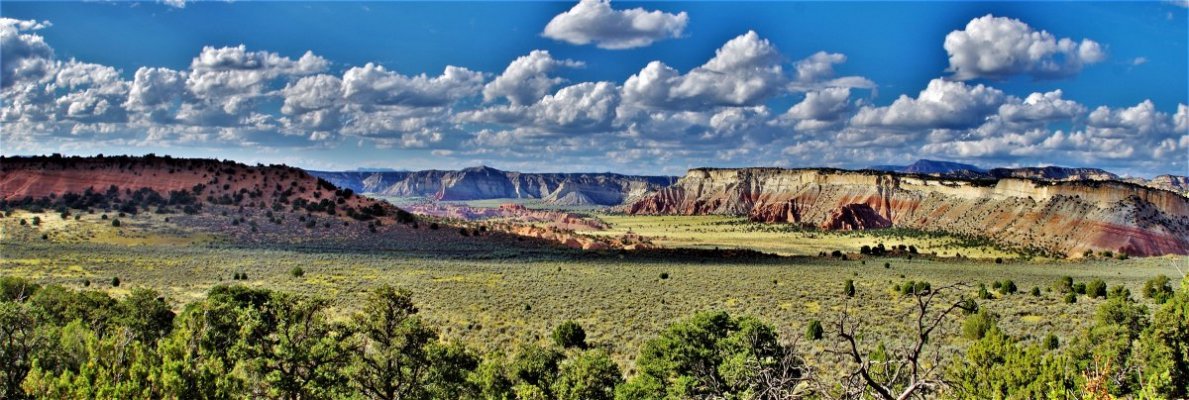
[(1062, 218)]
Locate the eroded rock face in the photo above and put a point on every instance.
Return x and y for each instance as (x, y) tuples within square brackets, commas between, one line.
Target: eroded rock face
[(855, 217), (1060, 217), (482, 183)]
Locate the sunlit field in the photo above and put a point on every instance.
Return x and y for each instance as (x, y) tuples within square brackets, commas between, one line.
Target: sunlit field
[(622, 301), (716, 231)]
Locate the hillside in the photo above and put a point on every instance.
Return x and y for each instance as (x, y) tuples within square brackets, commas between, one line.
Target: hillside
[(1061, 218), (250, 205), (162, 183), (482, 183)]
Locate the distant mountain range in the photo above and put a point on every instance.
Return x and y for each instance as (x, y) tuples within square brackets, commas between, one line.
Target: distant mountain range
[(929, 167), (481, 183)]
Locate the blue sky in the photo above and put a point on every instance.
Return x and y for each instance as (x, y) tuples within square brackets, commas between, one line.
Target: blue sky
[(632, 87)]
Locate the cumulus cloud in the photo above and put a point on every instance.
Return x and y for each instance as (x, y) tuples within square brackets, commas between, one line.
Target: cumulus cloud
[(943, 104), (94, 93), (154, 90), (1039, 107), (998, 48), (1143, 119), (594, 21), (583, 107), (527, 78), (820, 109), (24, 56), (1128, 137), (658, 120), (744, 71), (372, 84), (817, 71)]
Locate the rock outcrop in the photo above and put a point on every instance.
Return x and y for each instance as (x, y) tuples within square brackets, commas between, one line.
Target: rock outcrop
[(1173, 183), (1058, 217), (854, 217), (483, 183)]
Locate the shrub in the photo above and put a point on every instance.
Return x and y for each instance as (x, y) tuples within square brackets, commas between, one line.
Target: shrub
[(1051, 342), (115, 281), (1036, 291), (1158, 289), (1008, 287), (1096, 288), (1119, 292), (297, 272), (887, 265), (983, 293), (976, 325), (849, 289), (1079, 288), (907, 287), (1071, 298), (814, 331), (999, 260), (591, 375), (570, 334), (115, 222), (664, 275), (1063, 285)]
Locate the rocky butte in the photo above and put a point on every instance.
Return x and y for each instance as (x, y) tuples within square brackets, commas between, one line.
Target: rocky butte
[(1059, 217)]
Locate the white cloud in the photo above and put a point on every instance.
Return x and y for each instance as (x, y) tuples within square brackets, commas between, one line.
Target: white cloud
[(817, 72), (745, 71), (155, 89), (824, 105), (1039, 107), (998, 47), (1140, 120), (943, 104), (527, 78), (372, 84), (175, 3), (1181, 119), (24, 56), (594, 21), (583, 107)]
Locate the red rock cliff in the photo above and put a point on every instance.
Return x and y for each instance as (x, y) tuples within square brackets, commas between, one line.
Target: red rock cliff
[(1061, 217)]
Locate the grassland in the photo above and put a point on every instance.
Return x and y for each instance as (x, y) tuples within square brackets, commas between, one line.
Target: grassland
[(718, 231), (494, 303)]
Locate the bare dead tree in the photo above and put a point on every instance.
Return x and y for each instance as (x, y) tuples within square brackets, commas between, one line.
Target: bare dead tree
[(903, 368)]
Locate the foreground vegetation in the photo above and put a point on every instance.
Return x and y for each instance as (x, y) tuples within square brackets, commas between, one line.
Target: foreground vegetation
[(240, 342), (175, 305)]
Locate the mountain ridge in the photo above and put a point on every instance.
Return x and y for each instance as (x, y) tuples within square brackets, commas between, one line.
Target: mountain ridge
[(483, 182)]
